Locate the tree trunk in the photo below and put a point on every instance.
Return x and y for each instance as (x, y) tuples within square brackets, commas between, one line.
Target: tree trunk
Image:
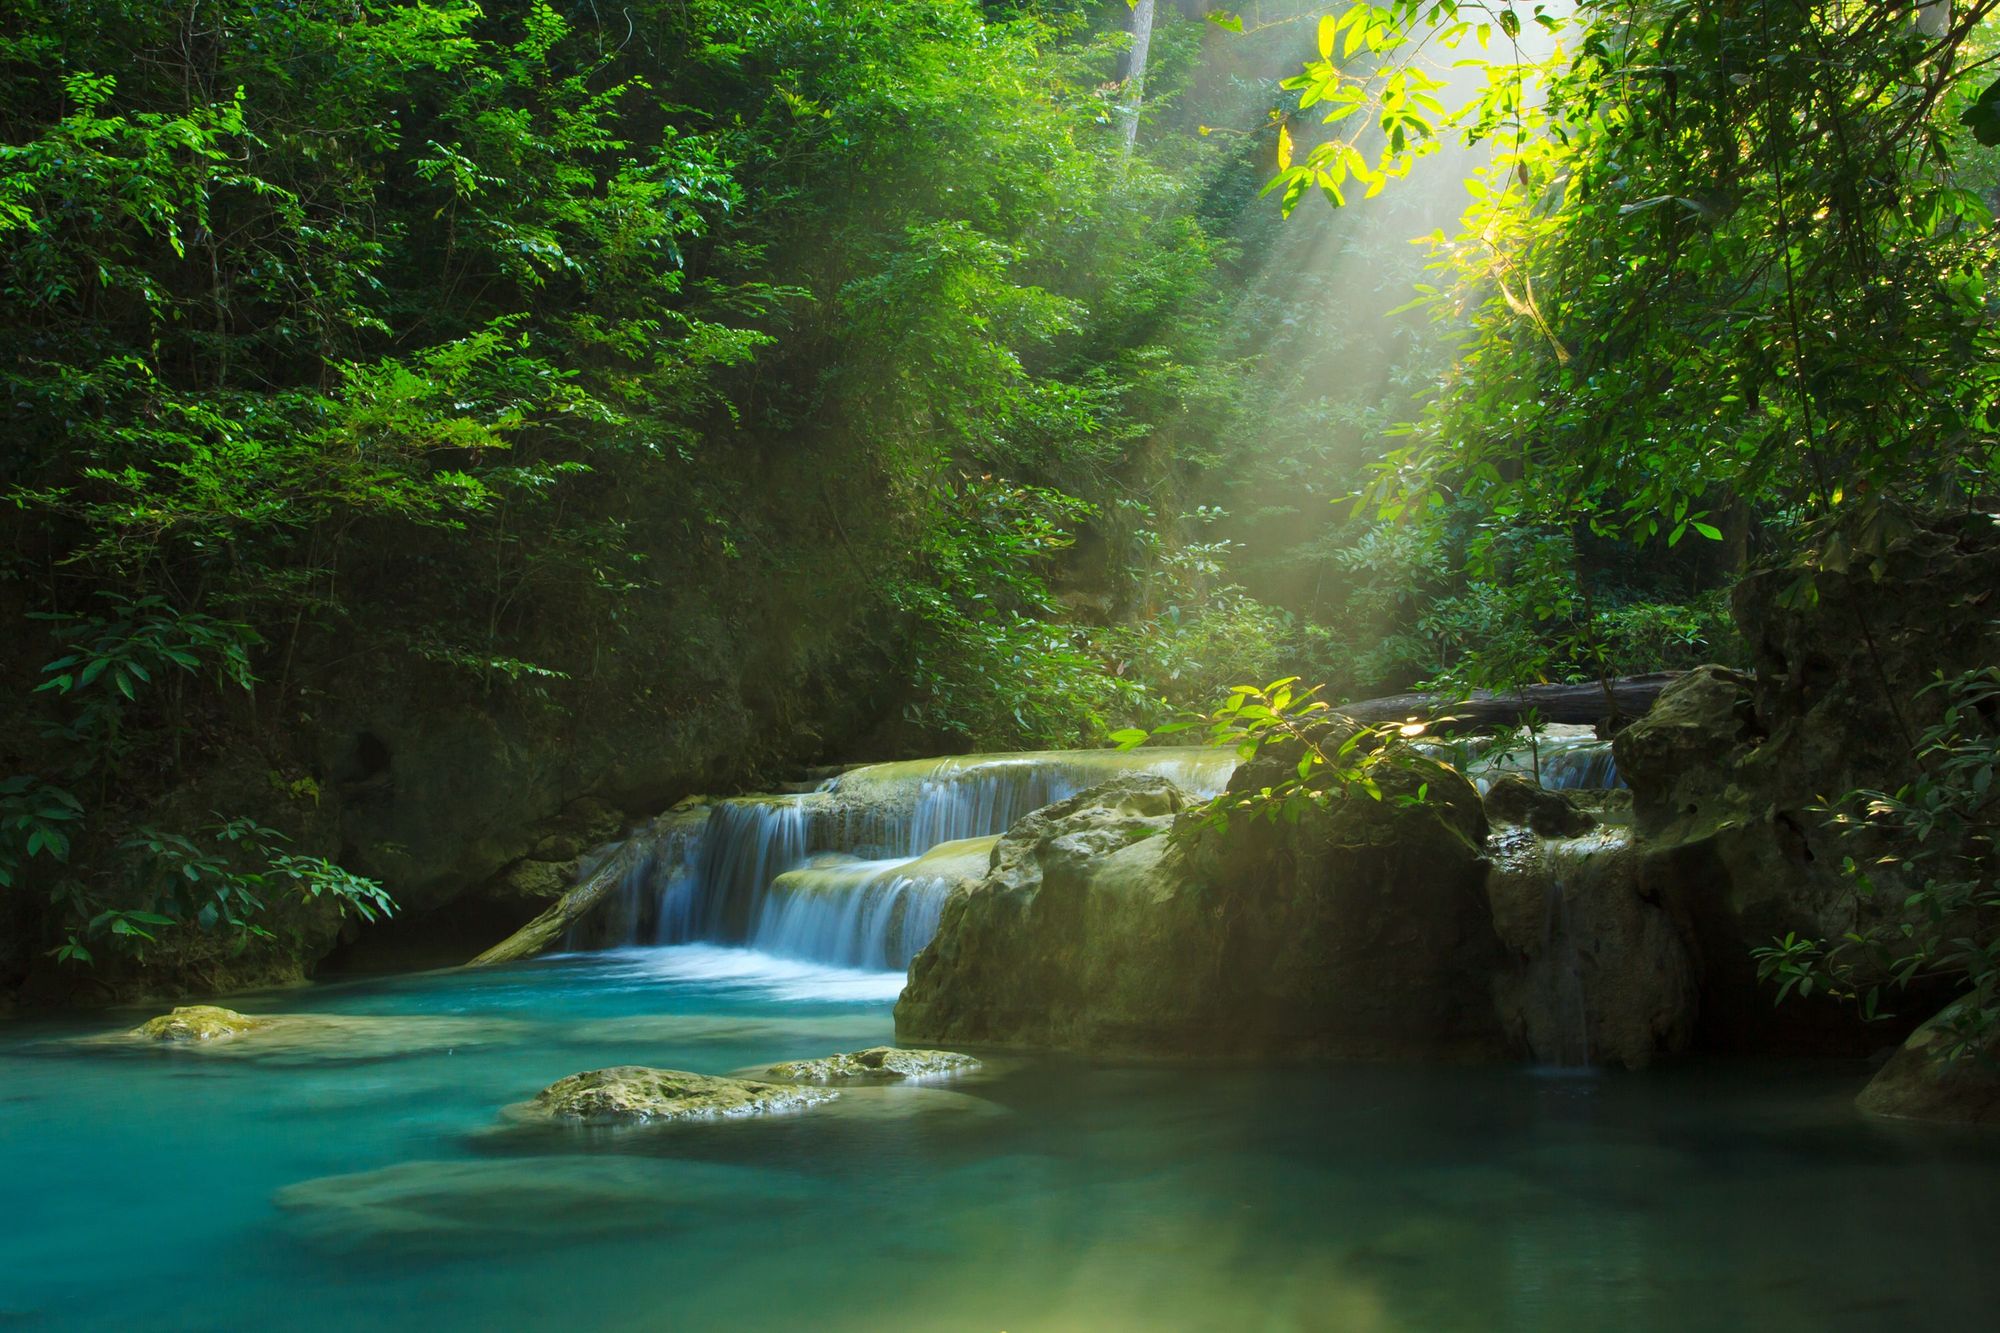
[(1568, 704)]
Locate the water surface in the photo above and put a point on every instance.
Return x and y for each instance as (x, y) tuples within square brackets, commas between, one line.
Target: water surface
[(148, 1190)]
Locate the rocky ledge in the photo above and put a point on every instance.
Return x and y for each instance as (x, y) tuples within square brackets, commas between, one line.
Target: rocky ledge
[(877, 1064), (635, 1094)]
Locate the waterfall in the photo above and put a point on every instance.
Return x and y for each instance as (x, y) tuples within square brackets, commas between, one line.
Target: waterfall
[(1568, 1010), (856, 872), (1555, 903), (1560, 758), (872, 914)]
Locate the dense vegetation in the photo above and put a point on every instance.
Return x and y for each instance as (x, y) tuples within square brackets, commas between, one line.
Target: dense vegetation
[(731, 357)]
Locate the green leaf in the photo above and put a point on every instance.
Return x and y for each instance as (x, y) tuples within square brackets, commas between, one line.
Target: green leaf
[(1983, 116)]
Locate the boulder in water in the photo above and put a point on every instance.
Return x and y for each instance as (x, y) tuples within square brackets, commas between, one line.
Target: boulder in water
[(198, 1022), (1918, 1083), (217, 1033), (470, 1207), (1513, 799), (1361, 930), (634, 1094), (877, 1064)]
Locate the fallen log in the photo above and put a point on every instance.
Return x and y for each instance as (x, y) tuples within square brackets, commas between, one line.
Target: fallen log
[(1629, 697)]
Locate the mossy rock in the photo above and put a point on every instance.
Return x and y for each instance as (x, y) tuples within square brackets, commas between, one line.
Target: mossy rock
[(635, 1094), (198, 1022), (223, 1034), (1919, 1083), (877, 1064), (1513, 799)]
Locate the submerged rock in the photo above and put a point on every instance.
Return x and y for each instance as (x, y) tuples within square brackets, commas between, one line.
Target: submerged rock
[(219, 1033), (876, 1064), (198, 1022), (635, 1094), (471, 1206), (1917, 1083), (1361, 930)]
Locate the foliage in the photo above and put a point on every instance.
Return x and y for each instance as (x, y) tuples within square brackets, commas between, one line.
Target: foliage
[(1730, 271), (218, 883), (1336, 760), (988, 662), (1925, 871), (459, 339)]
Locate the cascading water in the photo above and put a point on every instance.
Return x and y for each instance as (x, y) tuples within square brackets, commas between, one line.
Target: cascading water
[(868, 914), (1560, 758), (856, 873)]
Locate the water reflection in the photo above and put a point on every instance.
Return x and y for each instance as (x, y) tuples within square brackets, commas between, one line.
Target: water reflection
[(190, 1193)]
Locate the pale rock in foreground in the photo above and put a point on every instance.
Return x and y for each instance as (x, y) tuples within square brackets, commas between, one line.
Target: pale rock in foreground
[(635, 1094), (876, 1064), (198, 1022)]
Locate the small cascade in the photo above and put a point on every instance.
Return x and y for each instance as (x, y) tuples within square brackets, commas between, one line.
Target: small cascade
[(866, 914), (1604, 972), (1561, 758), (856, 871), (748, 844), (906, 808), (657, 870), (1566, 1035)]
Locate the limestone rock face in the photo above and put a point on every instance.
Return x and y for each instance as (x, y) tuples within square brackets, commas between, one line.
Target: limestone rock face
[(1917, 1084), (877, 1064), (1361, 930), (1603, 973), (198, 1022), (1678, 758), (634, 1094), (1728, 770)]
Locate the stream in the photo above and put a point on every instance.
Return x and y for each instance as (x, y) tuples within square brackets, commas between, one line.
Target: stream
[(162, 1189), (365, 1180)]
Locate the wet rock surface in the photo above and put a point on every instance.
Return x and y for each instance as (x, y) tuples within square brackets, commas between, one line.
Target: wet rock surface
[(1513, 799), (635, 1094), (877, 1064), (470, 1207), (1919, 1082), (198, 1022), (213, 1032), (1361, 930), (1602, 973)]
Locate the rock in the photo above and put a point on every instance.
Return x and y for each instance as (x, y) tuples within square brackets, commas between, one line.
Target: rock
[(198, 1022), (471, 1206), (876, 1064), (1604, 974), (1677, 758), (604, 884), (1361, 930), (1917, 1084), (1513, 799), (216, 1033), (634, 1094), (1730, 772)]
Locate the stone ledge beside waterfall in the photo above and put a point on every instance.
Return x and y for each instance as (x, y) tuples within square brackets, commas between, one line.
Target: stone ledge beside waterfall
[(1360, 931)]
